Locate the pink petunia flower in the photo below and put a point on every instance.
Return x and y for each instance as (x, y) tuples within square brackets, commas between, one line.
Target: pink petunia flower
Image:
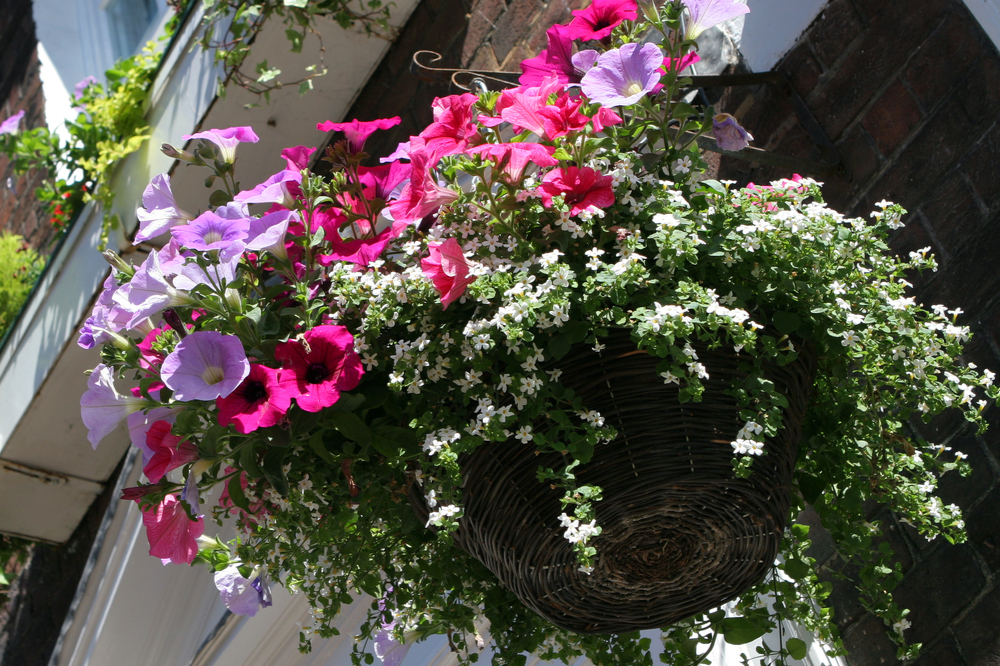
[(283, 188), (226, 140), (556, 59), (453, 128), (169, 451), (359, 251), (448, 269), (316, 372), (259, 402), (297, 158), (599, 19), (605, 117), (9, 126), (358, 131), (580, 187), (563, 116), (513, 158), (205, 365), (173, 537), (422, 195)]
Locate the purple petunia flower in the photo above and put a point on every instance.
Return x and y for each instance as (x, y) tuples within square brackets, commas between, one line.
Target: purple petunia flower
[(282, 188), (205, 365), (728, 133), (240, 595), (149, 292), (85, 83), (9, 126), (215, 276), (211, 232), (226, 139), (623, 76), (103, 407), (159, 212), (268, 232), (703, 14)]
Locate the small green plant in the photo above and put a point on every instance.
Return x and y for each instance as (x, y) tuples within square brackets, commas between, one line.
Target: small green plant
[(20, 266)]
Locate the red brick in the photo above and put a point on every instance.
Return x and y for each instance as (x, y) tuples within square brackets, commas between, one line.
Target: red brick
[(482, 22), (943, 58), (976, 632), (970, 279), (836, 27), (802, 69), (892, 118), (513, 25), (861, 159), (868, 645), (884, 49), (953, 212), (937, 589)]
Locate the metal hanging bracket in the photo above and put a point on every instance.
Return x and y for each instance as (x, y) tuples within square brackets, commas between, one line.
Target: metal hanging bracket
[(830, 164)]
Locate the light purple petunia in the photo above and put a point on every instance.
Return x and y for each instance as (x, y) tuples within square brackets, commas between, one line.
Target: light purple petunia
[(585, 60), (85, 83), (240, 595), (624, 75), (159, 212), (402, 152), (226, 139), (9, 126), (268, 232), (728, 133), (212, 232), (149, 292), (215, 276), (387, 648), (703, 14), (103, 407), (204, 366), (281, 189)]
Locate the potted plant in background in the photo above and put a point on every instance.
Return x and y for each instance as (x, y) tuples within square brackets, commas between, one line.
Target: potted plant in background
[(531, 370)]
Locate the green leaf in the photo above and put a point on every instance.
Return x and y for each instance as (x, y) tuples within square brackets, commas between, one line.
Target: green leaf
[(797, 569), (248, 461), (295, 3), (236, 493), (796, 648), (3, 579), (351, 426), (740, 630), (316, 444), (305, 86), (786, 322), (219, 198), (295, 37), (272, 467), (561, 155), (811, 486)]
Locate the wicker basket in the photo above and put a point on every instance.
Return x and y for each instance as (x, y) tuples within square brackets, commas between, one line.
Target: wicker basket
[(681, 534)]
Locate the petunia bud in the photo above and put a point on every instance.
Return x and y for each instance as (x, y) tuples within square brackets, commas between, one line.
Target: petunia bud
[(118, 263), (728, 133), (176, 154)]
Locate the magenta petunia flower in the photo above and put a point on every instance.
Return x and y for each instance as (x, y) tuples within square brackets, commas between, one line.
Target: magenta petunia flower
[(211, 232), (556, 59), (173, 537), (448, 269), (703, 14), (599, 19), (226, 140), (452, 130), (139, 424), (283, 188), (622, 76), (9, 126), (169, 451), (580, 187), (259, 402), (513, 158), (297, 158), (358, 131), (359, 251), (159, 212), (316, 372), (422, 195), (205, 365), (728, 133), (103, 407)]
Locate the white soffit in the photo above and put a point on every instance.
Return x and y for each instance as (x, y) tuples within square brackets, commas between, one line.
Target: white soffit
[(772, 27), (987, 12)]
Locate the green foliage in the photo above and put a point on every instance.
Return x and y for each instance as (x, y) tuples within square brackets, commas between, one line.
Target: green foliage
[(20, 266), (13, 553)]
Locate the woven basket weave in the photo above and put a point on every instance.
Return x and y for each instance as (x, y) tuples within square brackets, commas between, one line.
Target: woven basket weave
[(681, 533)]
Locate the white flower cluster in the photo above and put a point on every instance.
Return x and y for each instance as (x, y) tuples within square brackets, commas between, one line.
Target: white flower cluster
[(747, 440), (577, 532)]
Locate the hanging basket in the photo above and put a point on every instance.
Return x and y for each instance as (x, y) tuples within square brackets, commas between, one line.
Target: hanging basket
[(681, 534)]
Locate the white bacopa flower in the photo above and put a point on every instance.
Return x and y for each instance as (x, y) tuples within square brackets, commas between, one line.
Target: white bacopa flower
[(665, 221), (670, 378), (524, 435), (850, 339)]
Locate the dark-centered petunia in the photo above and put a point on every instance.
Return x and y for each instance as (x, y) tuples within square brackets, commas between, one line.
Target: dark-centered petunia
[(259, 402), (317, 371)]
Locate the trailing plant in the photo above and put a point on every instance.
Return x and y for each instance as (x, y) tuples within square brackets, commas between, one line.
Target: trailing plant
[(109, 126), (230, 28), (325, 352)]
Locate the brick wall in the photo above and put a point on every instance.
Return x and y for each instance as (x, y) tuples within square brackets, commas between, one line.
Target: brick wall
[(21, 90), (910, 94)]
